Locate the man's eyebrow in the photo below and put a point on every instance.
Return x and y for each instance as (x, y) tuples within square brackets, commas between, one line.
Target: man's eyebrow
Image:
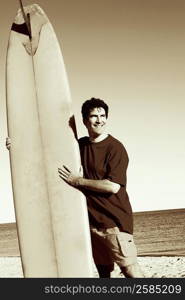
[(97, 114)]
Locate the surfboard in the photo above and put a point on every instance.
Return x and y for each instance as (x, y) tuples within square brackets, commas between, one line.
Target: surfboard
[(51, 216)]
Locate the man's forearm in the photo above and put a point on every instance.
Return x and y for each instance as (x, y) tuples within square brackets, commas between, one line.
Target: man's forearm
[(102, 186)]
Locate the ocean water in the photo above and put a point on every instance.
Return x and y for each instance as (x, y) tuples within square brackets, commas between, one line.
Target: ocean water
[(156, 233), (160, 233)]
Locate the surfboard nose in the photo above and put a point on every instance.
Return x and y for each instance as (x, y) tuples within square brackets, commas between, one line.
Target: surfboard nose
[(37, 19)]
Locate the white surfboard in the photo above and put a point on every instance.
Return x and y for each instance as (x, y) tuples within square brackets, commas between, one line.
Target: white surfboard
[(52, 220)]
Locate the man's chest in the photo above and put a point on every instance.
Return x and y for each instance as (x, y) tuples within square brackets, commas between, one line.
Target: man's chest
[(95, 161)]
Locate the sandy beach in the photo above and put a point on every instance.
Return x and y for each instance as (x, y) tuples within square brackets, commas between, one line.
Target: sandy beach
[(159, 237), (153, 267)]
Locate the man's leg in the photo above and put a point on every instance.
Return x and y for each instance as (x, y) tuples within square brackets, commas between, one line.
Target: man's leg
[(124, 252), (105, 270), (102, 258), (132, 271)]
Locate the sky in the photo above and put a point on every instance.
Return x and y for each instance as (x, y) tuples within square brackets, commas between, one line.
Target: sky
[(131, 54)]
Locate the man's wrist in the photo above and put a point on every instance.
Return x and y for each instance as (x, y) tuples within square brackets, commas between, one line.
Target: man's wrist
[(79, 182)]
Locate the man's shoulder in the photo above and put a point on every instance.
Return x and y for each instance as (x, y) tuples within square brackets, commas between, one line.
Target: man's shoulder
[(117, 146), (115, 142), (83, 140)]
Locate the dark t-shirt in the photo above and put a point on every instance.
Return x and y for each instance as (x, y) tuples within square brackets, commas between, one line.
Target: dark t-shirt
[(107, 159)]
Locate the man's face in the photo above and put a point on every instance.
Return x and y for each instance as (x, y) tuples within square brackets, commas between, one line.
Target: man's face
[(96, 122)]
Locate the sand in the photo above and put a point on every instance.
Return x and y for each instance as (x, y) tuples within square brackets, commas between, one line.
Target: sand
[(153, 267)]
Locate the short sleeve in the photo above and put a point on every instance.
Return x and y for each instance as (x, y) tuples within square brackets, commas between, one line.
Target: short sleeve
[(117, 165)]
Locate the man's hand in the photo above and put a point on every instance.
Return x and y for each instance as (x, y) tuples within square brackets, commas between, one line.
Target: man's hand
[(8, 143), (69, 177)]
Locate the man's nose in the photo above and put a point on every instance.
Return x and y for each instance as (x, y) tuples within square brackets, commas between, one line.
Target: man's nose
[(98, 120)]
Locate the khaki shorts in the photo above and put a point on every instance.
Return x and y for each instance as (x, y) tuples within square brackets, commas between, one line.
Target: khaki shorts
[(110, 246)]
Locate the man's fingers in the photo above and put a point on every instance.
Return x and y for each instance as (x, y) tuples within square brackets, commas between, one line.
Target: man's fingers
[(66, 169), (63, 178), (8, 141), (63, 174)]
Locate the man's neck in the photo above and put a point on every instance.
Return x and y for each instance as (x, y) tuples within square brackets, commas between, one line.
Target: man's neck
[(98, 138)]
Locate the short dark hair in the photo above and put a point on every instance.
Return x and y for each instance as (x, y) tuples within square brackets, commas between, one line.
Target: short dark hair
[(92, 103)]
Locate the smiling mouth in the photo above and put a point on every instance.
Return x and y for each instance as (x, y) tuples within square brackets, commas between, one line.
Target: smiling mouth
[(99, 125)]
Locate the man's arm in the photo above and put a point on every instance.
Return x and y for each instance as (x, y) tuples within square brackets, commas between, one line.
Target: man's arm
[(102, 186)]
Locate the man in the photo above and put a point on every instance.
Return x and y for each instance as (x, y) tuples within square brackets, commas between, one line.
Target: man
[(105, 160)]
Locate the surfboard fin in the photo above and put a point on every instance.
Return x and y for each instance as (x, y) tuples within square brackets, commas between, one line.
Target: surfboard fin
[(26, 19)]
